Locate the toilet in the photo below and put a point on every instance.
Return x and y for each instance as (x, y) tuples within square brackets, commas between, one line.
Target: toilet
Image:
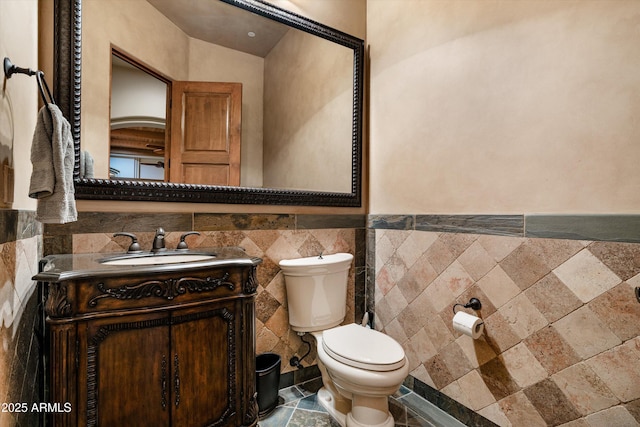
[(360, 367)]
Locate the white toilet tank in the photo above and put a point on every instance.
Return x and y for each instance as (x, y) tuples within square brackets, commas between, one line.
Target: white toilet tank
[(316, 290)]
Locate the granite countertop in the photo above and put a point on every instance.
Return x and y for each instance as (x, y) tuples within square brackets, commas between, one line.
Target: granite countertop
[(59, 268)]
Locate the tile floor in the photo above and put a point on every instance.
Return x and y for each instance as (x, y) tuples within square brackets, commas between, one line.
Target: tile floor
[(298, 408)]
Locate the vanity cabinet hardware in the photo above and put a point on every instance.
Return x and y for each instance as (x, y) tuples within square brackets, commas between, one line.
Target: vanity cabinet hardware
[(177, 379), (163, 381)]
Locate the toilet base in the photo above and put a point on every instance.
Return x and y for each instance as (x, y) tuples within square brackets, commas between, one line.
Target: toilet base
[(351, 422), (337, 410), (363, 411)]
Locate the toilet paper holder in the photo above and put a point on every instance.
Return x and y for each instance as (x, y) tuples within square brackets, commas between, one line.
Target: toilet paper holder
[(474, 303)]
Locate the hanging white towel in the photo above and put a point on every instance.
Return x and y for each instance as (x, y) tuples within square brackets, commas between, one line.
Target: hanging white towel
[(53, 157)]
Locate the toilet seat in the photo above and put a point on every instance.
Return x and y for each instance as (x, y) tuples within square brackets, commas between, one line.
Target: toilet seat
[(363, 348)]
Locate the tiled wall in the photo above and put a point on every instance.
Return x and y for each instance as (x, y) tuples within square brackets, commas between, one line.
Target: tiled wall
[(561, 343), (20, 244), (562, 323)]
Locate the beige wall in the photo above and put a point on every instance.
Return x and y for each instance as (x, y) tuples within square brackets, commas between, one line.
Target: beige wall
[(308, 84), (19, 101), (504, 107), (346, 16)]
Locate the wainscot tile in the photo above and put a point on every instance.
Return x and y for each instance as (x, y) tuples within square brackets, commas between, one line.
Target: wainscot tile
[(621, 228), (503, 225), (219, 222), (110, 222), (310, 222), (619, 310), (391, 222), (551, 403), (551, 350), (584, 388)]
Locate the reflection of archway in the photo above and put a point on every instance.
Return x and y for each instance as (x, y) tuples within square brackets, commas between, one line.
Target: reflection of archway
[(138, 135), (137, 148)]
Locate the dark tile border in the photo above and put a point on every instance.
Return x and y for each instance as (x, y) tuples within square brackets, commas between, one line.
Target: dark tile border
[(392, 222), (308, 222), (110, 222), (502, 225), (361, 274), (18, 225), (226, 222), (297, 377), (615, 228), (463, 414)]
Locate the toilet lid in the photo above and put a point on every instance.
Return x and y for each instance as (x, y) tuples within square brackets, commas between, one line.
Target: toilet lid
[(363, 348)]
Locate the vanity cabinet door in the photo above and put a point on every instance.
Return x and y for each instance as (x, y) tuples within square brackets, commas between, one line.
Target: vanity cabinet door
[(127, 372), (166, 369), (204, 368)]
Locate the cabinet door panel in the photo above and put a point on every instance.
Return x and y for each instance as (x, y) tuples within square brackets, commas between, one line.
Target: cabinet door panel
[(203, 351), (128, 371)]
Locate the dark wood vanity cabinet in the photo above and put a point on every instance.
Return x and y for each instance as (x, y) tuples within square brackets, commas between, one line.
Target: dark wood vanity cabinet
[(168, 349)]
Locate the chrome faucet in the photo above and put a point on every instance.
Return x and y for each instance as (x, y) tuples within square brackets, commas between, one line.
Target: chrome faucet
[(158, 241)]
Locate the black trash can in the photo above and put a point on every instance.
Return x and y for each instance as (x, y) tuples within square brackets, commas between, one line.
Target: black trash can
[(267, 382)]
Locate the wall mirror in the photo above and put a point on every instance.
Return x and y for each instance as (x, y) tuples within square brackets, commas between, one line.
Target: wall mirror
[(301, 102)]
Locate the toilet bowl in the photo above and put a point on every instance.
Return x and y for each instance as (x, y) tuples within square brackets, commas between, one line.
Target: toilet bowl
[(360, 367), (364, 366)]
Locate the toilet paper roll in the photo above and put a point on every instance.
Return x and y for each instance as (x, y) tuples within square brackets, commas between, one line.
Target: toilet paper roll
[(468, 324)]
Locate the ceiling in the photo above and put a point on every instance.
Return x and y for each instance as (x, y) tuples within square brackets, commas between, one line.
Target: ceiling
[(216, 22)]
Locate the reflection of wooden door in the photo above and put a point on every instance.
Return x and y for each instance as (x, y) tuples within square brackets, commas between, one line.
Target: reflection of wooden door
[(205, 133)]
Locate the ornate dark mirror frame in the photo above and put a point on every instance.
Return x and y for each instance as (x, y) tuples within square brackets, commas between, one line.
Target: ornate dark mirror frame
[(67, 63)]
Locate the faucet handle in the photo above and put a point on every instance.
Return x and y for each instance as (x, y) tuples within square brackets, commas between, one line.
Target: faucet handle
[(183, 245), (134, 248)]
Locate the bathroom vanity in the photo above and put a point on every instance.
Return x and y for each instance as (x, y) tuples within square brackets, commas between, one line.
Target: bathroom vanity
[(151, 343)]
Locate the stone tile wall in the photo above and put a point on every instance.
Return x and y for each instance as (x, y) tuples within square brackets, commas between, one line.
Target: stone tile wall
[(20, 379), (562, 324)]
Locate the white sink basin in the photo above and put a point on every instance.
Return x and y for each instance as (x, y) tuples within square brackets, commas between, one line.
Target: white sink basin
[(159, 259)]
